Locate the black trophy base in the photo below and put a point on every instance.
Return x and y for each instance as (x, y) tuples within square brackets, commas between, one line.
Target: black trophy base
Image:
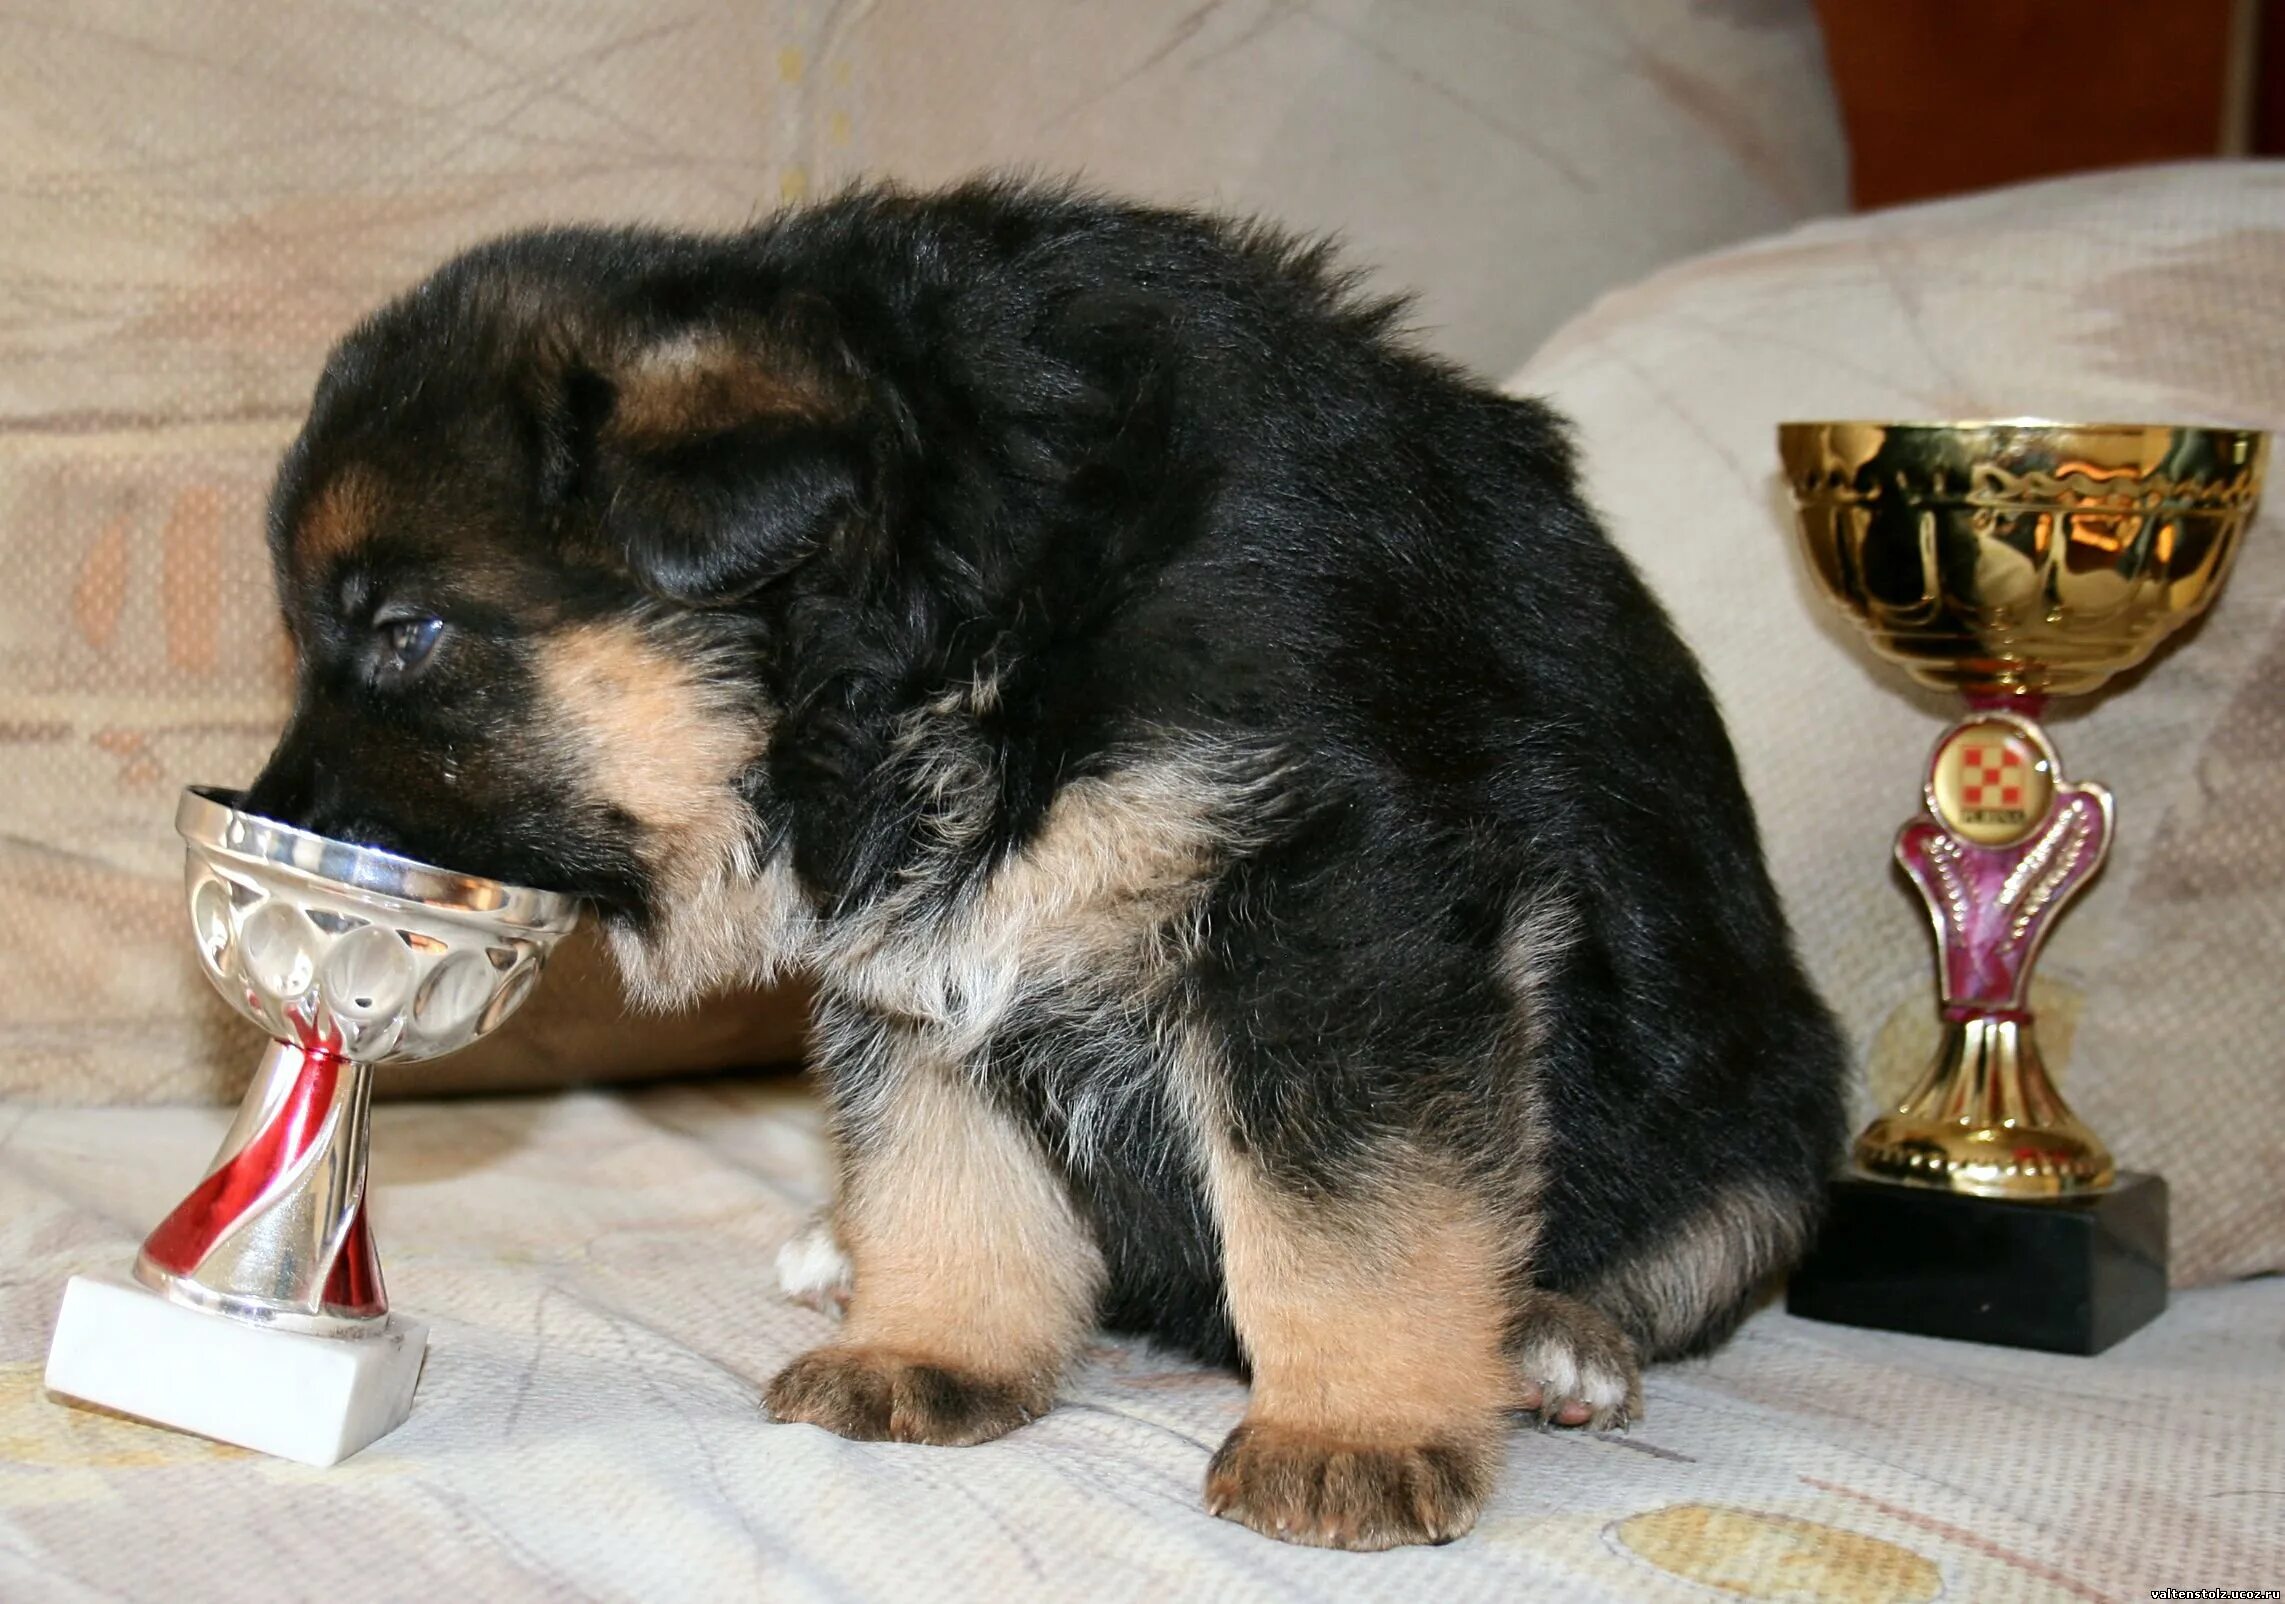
[(2068, 1276)]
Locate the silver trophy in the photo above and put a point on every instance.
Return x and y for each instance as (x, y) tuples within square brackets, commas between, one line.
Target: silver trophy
[(257, 1312)]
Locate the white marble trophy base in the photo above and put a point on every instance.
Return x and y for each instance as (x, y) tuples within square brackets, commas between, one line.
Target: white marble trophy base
[(315, 1399)]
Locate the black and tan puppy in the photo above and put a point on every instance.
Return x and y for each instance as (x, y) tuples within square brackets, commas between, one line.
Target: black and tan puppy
[(1277, 881)]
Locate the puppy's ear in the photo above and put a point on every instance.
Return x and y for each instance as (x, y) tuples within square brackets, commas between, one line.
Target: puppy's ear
[(713, 460)]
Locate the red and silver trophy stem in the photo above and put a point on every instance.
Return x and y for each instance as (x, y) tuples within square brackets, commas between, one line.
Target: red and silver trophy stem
[(276, 1231)]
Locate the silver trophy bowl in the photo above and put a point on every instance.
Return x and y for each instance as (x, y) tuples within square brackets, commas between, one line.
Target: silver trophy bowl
[(348, 957), (352, 950)]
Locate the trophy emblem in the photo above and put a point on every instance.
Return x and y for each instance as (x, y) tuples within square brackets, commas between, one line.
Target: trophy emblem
[(2010, 562), (257, 1313)]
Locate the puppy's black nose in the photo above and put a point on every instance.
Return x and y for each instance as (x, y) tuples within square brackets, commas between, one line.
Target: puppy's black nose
[(284, 792), (355, 826), (303, 787)]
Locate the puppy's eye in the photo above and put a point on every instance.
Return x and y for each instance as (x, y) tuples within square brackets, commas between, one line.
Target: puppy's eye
[(407, 642)]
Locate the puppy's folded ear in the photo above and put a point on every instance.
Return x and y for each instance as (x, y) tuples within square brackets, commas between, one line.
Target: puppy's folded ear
[(708, 518), (711, 460)]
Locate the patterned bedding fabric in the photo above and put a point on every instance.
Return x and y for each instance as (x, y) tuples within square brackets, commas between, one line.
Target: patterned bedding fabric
[(202, 197), (2148, 296), (595, 1270)]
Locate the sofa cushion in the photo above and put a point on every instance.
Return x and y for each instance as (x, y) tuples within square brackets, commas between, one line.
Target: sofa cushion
[(2147, 295), (201, 198)]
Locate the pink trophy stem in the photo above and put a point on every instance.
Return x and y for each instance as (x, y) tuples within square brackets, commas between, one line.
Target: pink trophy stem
[(2005, 842), (1992, 905)]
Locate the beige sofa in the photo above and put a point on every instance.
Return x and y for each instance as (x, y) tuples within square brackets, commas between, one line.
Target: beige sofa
[(201, 197)]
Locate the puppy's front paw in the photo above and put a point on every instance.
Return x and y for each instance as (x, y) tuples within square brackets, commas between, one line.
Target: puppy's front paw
[(1574, 1367), (874, 1396), (1305, 1487)]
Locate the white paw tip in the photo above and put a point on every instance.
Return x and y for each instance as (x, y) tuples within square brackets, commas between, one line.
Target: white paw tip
[(813, 1270)]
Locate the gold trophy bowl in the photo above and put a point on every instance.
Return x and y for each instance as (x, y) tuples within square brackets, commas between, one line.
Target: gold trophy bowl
[(2021, 557), (2009, 561)]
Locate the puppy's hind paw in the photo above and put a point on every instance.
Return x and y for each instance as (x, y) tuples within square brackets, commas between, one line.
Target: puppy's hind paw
[(1573, 1366)]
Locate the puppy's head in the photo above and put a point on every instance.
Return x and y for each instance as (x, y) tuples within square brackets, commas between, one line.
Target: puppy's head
[(513, 543)]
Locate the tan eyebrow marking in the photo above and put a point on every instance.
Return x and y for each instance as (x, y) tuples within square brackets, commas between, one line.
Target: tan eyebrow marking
[(340, 516)]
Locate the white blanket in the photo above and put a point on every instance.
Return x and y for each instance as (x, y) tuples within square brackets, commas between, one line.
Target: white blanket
[(596, 1268)]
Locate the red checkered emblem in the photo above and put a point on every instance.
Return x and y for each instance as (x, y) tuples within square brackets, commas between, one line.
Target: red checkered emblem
[(1991, 776)]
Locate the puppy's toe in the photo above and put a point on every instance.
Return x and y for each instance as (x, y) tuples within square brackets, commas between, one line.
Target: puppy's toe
[(813, 1270), (1305, 1487), (872, 1396), (1574, 1367)]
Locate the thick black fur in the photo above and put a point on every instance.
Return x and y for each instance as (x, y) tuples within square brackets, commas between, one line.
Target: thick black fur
[(1152, 472)]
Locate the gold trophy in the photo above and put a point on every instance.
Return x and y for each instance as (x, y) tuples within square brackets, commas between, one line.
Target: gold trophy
[(2011, 562)]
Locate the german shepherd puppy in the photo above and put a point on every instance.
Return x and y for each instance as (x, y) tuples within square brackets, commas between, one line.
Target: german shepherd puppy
[(1276, 880)]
